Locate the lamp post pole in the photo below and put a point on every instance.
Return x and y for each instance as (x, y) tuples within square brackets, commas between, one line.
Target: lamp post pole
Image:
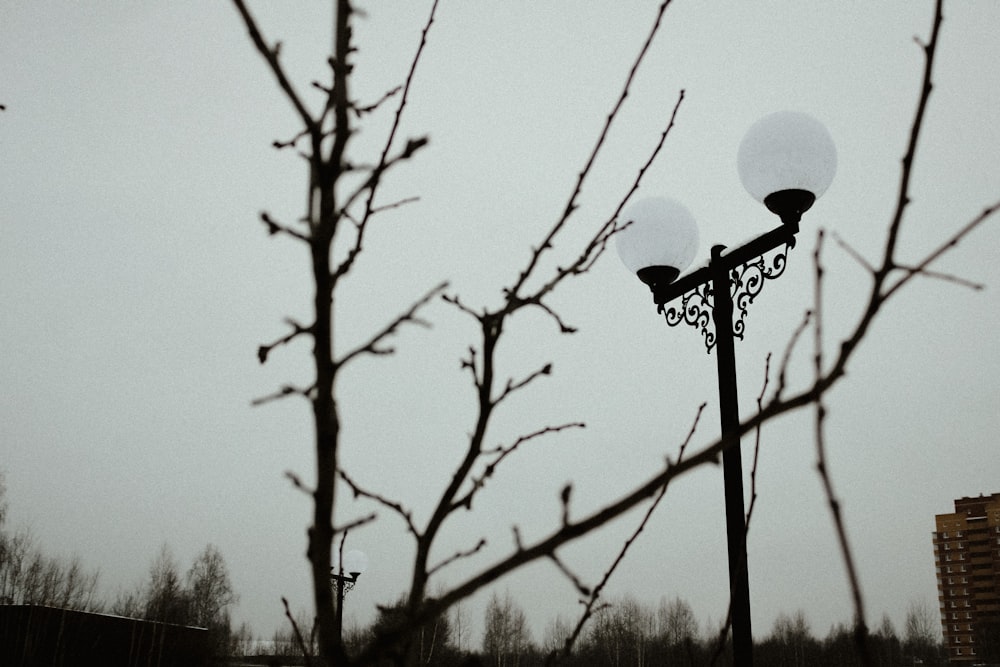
[(344, 584), (715, 293), (354, 562), (732, 462), (786, 160)]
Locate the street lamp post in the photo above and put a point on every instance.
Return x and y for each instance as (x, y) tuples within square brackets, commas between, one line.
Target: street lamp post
[(786, 161), (344, 574)]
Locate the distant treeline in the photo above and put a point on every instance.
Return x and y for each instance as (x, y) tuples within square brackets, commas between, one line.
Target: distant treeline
[(627, 633), (624, 632)]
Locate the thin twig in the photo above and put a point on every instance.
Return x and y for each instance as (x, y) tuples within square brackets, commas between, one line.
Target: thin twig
[(571, 204), (395, 506), (595, 593), (271, 56), (860, 626), (458, 555), (306, 652), (374, 344)]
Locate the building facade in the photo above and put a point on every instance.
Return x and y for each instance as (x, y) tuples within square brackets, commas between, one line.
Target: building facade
[(967, 558)]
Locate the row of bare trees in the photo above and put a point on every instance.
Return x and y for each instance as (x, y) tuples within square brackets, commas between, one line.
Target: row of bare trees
[(625, 632), (201, 596), (29, 576)]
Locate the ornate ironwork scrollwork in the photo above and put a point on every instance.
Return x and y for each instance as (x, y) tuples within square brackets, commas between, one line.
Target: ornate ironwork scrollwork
[(347, 583), (746, 282), (695, 309)]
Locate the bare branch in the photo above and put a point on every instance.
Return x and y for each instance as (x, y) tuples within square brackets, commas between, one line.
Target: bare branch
[(297, 330), (374, 344), (792, 342), (821, 462), (594, 595), (857, 256), (501, 453), (275, 227), (395, 506), (571, 204), (592, 250), (458, 555), (271, 56), (291, 143), (949, 243), (943, 277), (375, 178), (521, 384), (306, 653), (395, 204), (581, 587), (285, 391), (297, 482), (356, 523), (360, 111), (457, 302)]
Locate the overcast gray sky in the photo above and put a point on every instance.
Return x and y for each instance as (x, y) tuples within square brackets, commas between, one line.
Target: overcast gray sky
[(136, 284)]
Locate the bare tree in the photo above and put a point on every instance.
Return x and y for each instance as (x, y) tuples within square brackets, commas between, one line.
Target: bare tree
[(677, 625), (29, 576), (129, 603), (165, 597), (459, 622), (922, 630), (433, 642), (622, 633), (343, 203), (557, 632), (209, 587), (887, 646), (506, 638)]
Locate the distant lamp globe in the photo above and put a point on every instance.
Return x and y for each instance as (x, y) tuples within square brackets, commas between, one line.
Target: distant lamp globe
[(787, 160), (355, 563), (657, 239)]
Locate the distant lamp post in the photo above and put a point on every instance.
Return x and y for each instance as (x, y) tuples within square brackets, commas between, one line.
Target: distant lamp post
[(786, 161), (344, 574)]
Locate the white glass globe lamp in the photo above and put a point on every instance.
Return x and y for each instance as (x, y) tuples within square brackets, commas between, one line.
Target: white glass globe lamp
[(658, 239), (355, 563), (787, 160)]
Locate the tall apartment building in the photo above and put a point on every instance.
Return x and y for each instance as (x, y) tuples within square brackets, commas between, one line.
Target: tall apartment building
[(967, 557)]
